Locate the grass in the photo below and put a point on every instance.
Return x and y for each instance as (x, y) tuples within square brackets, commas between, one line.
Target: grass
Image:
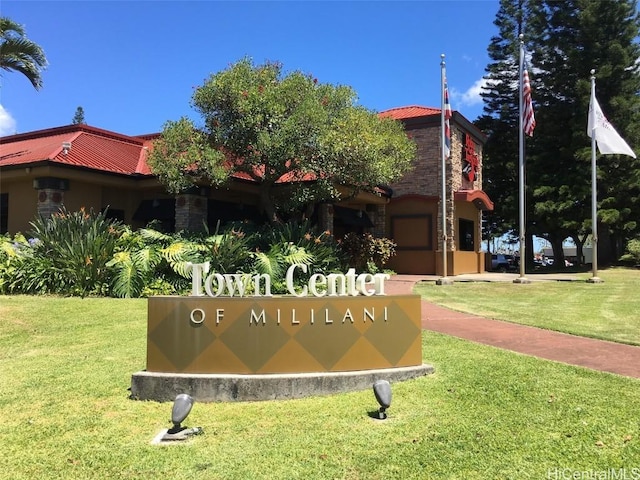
[(485, 413), (606, 310)]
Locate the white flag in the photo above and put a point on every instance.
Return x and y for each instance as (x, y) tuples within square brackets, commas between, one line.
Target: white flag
[(608, 140)]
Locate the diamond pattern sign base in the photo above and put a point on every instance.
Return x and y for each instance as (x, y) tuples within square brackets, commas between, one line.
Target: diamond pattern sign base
[(264, 335)]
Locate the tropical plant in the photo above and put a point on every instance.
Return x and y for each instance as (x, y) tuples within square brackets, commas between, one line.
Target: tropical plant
[(11, 249), (69, 254), (283, 245), (150, 262), (321, 245), (19, 53), (229, 251)]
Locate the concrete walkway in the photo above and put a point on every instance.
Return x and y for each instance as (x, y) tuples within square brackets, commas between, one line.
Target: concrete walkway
[(585, 352)]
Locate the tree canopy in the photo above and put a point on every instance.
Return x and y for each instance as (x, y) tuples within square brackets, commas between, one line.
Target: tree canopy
[(18, 53), (272, 126)]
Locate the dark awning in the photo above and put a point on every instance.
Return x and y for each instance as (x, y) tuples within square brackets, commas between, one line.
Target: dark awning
[(352, 217), (158, 209)]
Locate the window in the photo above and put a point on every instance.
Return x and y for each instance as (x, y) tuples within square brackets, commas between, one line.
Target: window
[(412, 232), (4, 212), (113, 214), (466, 238)]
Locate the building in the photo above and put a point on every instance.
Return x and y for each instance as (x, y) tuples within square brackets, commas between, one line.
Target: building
[(414, 212), (80, 166)]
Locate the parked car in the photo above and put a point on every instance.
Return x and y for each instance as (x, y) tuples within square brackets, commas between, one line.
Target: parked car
[(499, 263)]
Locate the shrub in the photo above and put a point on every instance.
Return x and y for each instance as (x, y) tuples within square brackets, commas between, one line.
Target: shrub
[(68, 256), (281, 246), (11, 251), (366, 252), (632, 254)]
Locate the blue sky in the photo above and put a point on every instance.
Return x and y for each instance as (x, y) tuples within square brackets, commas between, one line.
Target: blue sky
[(132, 65)]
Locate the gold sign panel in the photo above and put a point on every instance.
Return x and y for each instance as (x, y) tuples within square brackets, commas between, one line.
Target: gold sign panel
[(259, 335)]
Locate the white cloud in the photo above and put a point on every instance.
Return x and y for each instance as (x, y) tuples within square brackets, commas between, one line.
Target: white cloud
[(472, 95), (7, 123)]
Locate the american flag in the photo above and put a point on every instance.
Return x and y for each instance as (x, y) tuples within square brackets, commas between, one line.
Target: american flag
[(528, 119), (447, 116)]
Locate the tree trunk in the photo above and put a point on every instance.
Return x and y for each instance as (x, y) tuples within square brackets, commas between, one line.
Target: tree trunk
[(605, 246), (529, 253), (558, 251), (579, 248), (266, 203)]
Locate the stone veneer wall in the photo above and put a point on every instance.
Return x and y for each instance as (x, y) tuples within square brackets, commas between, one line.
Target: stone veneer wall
[(425, 177)]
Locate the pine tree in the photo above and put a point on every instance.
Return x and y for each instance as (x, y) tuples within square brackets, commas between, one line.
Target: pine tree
[(565, 41), (570, 39), (78, 118), (500, 121)]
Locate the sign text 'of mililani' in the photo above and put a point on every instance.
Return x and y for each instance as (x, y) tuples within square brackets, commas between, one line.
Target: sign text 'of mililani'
[(319, 285)]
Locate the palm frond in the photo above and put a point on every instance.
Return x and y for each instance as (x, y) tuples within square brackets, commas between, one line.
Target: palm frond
[(148, 234), (270, 264), (294, 254)]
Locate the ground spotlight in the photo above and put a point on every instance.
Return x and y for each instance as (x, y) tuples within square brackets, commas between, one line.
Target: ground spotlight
[(181, 408), (382, 391)]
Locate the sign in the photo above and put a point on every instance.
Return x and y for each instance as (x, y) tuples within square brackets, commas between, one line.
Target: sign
[(319, 285), (470, 158), (282, 334)]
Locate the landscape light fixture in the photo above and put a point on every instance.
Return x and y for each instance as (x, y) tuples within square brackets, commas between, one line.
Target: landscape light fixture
[(382, 391), (181, 408)]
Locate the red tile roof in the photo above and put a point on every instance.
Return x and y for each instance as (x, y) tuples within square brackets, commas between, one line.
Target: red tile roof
[(411, 111), (95, 149), (91, 148)]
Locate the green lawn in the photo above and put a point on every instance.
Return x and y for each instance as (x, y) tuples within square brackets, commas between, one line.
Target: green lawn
[(484, 414), (606, 310)]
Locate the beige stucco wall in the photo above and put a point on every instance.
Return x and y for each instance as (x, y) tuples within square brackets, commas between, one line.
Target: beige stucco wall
[(23, 204)]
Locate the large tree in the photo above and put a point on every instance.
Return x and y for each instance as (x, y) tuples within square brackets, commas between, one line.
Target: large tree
[(18, 53), (565, 41), (571, 38), (500, 122), (270, 127)]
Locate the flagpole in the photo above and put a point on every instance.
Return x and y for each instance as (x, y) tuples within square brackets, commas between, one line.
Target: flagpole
[(521, 196), (594, 191), (444, 280)]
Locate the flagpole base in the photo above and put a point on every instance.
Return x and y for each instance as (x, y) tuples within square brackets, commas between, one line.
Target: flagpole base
[(444, 281), (522, 280), (595, 280)]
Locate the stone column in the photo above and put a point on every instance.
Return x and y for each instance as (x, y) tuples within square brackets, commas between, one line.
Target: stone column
[(50, 200), (379, 220), (325, 217), (191, 212), (50, 194)]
